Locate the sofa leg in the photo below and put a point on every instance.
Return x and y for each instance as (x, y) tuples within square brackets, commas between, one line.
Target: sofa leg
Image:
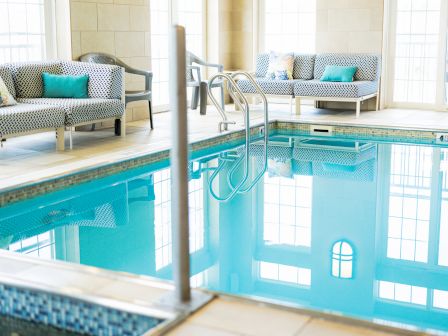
[(60, 138), (377, 102), (298, 109), (358, 108), (123, 125), (70, 133)]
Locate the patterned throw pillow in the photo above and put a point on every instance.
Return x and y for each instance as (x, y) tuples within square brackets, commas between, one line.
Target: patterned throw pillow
[(280, 66), (5, 97)]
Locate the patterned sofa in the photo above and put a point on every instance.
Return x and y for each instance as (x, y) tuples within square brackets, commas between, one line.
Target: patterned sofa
[(35, 114), (308, 70), (303, 70)]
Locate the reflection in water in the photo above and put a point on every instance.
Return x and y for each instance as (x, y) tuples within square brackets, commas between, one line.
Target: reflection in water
[(353, 227), (342, 260), (287, 210), (409, 205), (402, 293)]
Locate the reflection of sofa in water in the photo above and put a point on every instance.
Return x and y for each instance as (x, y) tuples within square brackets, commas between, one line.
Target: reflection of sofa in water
[(319, 157), (105, 207)]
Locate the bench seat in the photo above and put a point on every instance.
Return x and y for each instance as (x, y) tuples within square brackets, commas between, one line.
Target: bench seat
[(80, 111), (316, 88), (26, 118)]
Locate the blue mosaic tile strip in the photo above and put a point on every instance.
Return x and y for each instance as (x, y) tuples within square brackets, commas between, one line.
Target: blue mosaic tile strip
[(71, 314)]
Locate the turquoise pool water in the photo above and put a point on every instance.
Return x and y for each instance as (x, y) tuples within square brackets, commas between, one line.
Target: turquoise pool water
[(352, 227)]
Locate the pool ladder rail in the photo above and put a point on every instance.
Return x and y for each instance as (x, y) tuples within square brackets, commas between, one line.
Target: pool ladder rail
[(231, 157)]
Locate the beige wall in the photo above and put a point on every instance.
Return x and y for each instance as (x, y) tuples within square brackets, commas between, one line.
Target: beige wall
[(117, 27), (349, 26)]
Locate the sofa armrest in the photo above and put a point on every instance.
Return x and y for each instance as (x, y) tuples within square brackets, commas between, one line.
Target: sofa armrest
[(105, 81)]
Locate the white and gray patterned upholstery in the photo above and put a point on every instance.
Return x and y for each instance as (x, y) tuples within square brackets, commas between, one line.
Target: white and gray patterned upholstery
[(348, 158), (6, 75), (29, 117), (105, 81), (316, 88), (79, 111), (303, 66), (28, 77), (269, 86), (368, 65)]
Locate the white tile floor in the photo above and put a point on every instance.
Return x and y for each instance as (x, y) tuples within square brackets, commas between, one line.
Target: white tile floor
[(28, 158)]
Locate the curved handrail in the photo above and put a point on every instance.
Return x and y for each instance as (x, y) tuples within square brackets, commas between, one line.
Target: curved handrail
[(220, 109), (240, 100), (234, 190), (266, 134)]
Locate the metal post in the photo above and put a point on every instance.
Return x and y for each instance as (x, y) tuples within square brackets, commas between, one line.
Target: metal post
[(179, 163)]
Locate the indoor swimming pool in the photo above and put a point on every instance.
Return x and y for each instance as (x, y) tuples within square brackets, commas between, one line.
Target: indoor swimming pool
[(358, 228)]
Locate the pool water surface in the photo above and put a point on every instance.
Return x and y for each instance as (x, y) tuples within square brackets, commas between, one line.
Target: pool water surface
[(351, 227)]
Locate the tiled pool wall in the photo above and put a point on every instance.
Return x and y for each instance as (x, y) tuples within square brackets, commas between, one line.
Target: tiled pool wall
[(291, 128), (71, 314)]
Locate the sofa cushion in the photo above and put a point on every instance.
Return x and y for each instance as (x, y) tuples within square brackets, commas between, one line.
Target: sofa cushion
[(303, 66), (28, 77), (368, 65), (316, 88), (274, 87), (83, 110), (28, 117), (6, 75), (105, 81)]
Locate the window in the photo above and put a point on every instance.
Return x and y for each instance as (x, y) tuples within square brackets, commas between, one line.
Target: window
[(342, 260), (287, 210), (285, 273), (443, 231), (409, 203), (189, 13), (42, 245), (162, 217), (440, 299), (402, 293), (418, 58), (288, 25), (22, 30)]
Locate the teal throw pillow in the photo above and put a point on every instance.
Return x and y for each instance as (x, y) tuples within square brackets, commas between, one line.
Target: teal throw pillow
[(337, 73), (63, 86)]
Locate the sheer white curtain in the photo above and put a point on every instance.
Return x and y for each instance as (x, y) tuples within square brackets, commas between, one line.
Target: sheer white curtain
[(22, 30)]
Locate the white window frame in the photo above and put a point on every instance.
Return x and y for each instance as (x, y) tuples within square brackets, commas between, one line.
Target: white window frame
[(50, 24), (388, 72), (259, 26), (173, 19)]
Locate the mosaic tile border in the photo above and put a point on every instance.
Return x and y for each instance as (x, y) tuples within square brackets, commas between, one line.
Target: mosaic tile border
[(71, 314), (35, 189), (374, 132)]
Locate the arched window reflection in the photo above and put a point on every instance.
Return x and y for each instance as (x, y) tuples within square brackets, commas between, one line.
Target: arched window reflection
[(342, 260)]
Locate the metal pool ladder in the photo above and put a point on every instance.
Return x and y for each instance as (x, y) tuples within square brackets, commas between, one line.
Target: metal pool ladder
[(232, 157)]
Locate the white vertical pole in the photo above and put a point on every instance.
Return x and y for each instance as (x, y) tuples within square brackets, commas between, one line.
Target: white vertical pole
[(179, 163)]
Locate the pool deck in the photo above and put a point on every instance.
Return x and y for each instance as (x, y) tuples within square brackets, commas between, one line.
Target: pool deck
[(29, 158)]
